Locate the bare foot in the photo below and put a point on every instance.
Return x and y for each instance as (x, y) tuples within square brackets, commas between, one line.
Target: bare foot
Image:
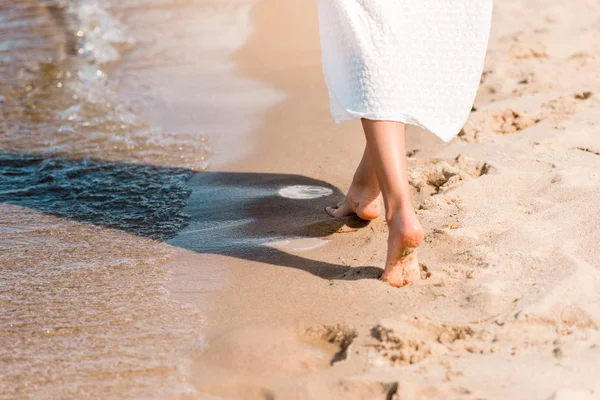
[(362, 201), (402, 266)]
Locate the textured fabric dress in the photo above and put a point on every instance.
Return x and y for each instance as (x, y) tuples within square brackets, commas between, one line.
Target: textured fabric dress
[(413, 61)]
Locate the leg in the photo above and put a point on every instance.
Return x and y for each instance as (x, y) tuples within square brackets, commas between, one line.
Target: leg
[(385, 143), (363, 196)]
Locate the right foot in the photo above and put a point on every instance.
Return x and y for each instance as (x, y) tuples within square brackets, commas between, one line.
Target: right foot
[(402, 266), (363, 202)]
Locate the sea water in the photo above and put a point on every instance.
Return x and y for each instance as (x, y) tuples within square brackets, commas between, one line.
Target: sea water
[(106, 109)]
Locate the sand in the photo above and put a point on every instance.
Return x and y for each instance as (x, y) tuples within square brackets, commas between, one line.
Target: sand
[(510, 308)]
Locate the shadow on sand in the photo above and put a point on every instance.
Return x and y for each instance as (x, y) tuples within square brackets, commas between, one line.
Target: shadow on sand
[(232, 214)]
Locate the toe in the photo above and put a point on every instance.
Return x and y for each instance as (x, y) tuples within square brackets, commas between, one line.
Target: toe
[(342, 210), (334, 211), (330, 211)]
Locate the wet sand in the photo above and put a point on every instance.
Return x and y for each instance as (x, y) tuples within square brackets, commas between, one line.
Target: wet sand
[(510, 307)]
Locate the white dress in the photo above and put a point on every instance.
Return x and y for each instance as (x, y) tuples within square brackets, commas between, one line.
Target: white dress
[(413, 61)]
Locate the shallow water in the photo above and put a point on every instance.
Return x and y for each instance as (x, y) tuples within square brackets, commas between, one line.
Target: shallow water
[(93, 184), (58, 98)]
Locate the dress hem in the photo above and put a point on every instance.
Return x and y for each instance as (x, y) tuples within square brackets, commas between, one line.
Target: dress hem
[(403, 118)]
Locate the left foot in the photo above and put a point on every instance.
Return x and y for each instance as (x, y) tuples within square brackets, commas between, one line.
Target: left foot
[(361, 201), (402, 266)]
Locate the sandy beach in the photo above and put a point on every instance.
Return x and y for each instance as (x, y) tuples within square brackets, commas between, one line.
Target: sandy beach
[(509, 308), (165, 167)]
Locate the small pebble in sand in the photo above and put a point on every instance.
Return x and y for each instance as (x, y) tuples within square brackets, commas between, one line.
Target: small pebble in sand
[(558, 352), (346, 230), (582, 95), (425, 274)]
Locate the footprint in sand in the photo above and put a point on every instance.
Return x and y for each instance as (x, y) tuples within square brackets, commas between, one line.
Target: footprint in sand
[(501, 122), (510, 121), (435, 176), (267, 351), (238, 363), (359, 388), (407, 340)]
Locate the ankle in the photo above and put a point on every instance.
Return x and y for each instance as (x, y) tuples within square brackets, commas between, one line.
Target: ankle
[(404, 222), (404, 214), (366, 185), (406, 237)]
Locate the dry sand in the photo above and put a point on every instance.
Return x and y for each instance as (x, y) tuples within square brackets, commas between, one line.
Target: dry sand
[(511, 307)]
